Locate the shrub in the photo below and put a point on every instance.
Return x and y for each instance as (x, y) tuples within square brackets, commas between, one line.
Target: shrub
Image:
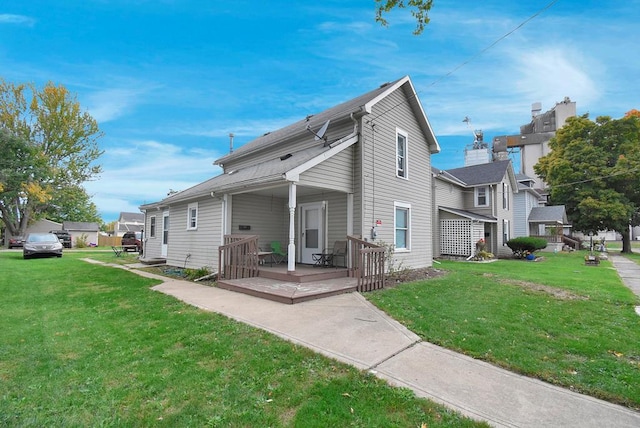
[(192, 274), (525, 245), (81, 241)]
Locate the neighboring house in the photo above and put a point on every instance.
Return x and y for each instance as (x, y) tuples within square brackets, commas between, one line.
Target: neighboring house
[(368, 176), (129, 222), (532, 218), (43, 226), (77, 229), (472, 203)]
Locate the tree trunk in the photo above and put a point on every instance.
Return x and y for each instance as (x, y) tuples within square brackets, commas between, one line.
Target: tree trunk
[(626, 241)]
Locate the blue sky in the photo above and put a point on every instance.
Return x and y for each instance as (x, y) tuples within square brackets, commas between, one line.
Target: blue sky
[(168, 80)]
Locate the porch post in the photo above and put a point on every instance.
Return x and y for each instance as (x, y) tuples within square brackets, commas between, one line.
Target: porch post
[(291, 249)]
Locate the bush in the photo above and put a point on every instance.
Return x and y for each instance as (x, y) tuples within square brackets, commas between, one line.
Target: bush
[(192, 274), (81, 241), (526, 245)]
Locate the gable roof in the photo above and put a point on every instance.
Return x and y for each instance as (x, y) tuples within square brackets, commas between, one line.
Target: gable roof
[(279, 170), (357, 106), (126, 217), (548, 214), (483, 174)]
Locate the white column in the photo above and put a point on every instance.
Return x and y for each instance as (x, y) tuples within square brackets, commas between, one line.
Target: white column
[(291, 248)]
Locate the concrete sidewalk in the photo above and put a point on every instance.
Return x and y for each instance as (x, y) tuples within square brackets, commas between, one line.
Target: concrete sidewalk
[(350, 329)]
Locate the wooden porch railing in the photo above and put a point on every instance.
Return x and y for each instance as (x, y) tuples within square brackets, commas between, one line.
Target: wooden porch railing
[(238, 257), (367, 264)]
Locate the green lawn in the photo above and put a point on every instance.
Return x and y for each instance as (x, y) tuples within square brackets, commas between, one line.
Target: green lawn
[(88, 345), (557, 320)]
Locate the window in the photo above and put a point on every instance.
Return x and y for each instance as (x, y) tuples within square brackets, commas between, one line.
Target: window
[(482, 196), (505, 231), (505, 196), (192, 216), (402, 223), (152, 227), (401, 154)]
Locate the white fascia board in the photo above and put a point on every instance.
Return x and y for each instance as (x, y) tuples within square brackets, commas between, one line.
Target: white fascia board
[(294, 174)]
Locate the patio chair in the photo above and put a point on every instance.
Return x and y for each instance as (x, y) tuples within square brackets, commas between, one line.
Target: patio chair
[(339, 252), (279, 255)]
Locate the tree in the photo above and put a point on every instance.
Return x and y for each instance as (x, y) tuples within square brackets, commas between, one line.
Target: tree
[(420, 11), (53, 148), (594, 170), (72, 204)]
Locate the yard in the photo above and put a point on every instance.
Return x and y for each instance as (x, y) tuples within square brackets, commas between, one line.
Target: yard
[(557, 320), (88, 345)]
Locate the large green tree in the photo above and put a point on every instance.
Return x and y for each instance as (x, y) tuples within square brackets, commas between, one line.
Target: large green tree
[(53, 150), (593, 168), (72, 203), (419, 9)]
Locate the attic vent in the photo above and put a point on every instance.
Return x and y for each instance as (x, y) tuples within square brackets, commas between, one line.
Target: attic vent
[(285, 157)]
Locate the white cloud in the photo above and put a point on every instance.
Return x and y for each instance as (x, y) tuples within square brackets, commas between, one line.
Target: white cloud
[(6, 18), (112, 103), (550, 74)]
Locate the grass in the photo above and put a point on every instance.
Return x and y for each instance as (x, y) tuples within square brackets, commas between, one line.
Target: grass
[(88, 345), (557, 320)]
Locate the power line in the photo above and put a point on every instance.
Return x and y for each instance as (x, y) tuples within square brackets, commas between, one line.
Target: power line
[(459, 66)]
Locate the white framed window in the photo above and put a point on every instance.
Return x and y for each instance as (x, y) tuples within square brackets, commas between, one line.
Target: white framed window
[(402, 154), (402, 226), (505, 231), (505, 196), (152, 226), (482, 196), (192, 216)]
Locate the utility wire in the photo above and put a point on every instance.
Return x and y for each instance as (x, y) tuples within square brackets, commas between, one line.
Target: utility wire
[(459, 66)]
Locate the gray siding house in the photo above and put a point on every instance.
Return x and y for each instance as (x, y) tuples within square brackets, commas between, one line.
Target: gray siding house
[(368, 175), (473, 203)]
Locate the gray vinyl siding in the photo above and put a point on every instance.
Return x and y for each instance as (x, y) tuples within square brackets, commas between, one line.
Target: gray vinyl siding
[(201, 243), (153, 244), (334, 173), (267, 216), (524, 201), (334, 132), (381, 186)]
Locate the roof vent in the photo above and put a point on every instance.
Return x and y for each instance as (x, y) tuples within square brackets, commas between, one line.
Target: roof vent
[(385, 84), (285, 157)]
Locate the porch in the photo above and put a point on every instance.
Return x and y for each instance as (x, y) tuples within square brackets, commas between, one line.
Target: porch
[(240, 270), (305, 283)]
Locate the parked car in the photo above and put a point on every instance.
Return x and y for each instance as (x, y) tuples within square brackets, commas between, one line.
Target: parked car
[(16, 242), (41, 244), (132, 241), (63, 236)]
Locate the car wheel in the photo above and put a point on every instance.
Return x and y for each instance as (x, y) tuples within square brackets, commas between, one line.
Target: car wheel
[(26, 257), (59, 255)]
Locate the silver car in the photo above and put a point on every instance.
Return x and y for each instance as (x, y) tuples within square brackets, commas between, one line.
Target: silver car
[(41, 244)]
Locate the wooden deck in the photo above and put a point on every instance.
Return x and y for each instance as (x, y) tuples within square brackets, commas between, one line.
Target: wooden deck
[(306, 283)]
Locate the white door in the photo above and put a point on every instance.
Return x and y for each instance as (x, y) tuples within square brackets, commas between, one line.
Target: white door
[(311, 231), (165, 233)]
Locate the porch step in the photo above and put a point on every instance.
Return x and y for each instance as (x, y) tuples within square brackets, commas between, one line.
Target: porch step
[(303, 275), (289, 292)]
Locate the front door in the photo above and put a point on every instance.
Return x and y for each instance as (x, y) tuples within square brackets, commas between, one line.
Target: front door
[(311, 231), (165, 233)]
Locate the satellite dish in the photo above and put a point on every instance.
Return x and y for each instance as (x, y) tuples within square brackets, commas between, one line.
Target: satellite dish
[(320, 134)]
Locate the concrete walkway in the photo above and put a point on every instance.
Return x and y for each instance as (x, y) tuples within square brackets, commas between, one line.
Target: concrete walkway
[(350, 329)]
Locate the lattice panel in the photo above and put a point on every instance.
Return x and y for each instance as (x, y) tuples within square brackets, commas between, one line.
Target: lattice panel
[(455, 238)]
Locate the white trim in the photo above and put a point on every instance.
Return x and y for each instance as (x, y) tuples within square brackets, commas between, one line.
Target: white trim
[(405, 170), (153, 230), (192, 220), (486, 196), (407, 207)]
